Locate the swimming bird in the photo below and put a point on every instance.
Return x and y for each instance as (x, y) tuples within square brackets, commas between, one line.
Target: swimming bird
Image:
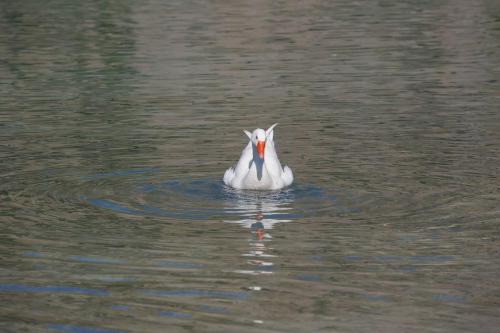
[(259, 167)]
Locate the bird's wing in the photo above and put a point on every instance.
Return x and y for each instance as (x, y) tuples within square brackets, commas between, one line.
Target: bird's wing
[(245, 160), (271, 160), (287, 176)]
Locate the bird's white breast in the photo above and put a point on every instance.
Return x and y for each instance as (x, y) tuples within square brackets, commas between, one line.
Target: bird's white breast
[(252, 180)]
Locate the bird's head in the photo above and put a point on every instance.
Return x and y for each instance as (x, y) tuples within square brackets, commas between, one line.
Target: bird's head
[(259, 137)]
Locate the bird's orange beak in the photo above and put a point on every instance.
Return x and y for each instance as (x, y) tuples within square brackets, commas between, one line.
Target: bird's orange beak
[(260, 148)]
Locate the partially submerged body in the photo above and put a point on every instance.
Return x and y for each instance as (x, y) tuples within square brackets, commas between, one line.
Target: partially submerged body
[(259, 167)]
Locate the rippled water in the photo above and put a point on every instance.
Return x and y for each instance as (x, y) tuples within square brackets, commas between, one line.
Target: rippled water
[(119, 118)]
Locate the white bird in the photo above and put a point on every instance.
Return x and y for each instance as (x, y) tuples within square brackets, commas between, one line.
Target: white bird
[(259, 167)]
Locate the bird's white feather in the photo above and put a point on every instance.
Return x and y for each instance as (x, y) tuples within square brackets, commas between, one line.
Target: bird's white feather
[(252, 172)]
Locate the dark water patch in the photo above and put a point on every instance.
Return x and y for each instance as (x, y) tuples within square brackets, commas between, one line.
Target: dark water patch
[(263, 268), (239, 295), (33, 254), (106, 204), (178, 264), (146, 210), (207, 199), (40, 267), (407, 269), (116, 279), (389, 259), (97, 260), (81, 329), (316, 258), (120, 307), (353, 258), (174, 314), (211, 309), (22, 288)]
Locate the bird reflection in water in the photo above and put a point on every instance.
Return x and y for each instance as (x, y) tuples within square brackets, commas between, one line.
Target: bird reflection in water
[(259, 216), (258, 229), (258, 247)]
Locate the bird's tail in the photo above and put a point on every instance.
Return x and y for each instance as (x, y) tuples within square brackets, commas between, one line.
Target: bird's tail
[(287, 175), (228, 176)]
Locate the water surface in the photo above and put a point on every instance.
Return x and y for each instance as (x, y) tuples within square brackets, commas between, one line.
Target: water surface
[(119, 118)]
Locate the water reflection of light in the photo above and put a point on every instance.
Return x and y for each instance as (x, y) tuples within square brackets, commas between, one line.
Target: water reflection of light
[(259, 213)]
